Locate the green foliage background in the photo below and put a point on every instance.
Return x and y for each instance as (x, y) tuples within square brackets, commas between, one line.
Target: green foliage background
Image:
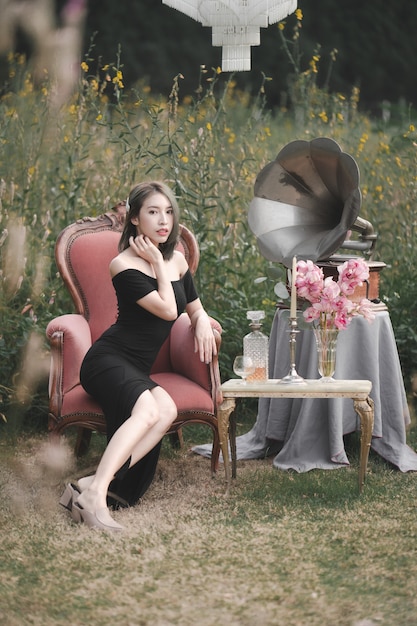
[(58, 166)]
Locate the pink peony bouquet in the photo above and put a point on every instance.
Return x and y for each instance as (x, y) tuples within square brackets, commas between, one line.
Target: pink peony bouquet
[(330, 305)]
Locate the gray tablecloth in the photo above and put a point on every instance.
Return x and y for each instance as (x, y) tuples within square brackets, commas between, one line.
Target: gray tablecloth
[(305, 434)]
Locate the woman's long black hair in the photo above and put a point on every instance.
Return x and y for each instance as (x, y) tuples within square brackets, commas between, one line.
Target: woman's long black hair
[(134, 203)]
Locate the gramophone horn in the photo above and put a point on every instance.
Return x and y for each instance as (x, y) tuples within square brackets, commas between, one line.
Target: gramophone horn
[(305, 202)]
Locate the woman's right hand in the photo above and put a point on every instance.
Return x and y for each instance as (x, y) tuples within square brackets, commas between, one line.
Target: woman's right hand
[(145, 249)]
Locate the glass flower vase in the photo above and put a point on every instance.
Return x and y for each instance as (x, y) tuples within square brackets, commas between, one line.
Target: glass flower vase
[(326, 341)]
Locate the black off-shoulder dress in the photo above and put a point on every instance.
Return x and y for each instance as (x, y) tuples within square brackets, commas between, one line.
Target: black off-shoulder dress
[(116, 369)]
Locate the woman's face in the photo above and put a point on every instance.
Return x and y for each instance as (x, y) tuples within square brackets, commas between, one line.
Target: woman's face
[(155, 219)]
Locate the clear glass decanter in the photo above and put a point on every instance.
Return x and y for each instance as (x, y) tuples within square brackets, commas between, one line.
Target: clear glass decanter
[(255, 345)]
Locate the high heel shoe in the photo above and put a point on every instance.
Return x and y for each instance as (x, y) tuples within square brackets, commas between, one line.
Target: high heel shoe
[(70, 494), (100, 519), (72, 491)]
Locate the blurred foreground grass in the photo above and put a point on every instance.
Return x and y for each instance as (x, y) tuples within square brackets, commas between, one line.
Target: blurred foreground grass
[(283, 548)]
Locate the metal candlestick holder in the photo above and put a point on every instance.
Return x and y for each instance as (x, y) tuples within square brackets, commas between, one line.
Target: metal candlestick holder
[(292, 376)]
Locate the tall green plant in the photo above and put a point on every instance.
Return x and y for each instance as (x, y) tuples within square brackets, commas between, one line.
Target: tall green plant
[(389, 161)]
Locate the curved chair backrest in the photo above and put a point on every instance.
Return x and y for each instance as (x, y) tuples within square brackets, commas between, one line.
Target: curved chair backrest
[(83, 253)]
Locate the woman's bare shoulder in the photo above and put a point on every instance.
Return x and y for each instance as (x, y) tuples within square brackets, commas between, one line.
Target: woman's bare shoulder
[(120, 263), (180, 262)]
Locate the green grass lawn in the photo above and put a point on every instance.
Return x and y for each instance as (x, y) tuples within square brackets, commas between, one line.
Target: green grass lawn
[(283, 548)]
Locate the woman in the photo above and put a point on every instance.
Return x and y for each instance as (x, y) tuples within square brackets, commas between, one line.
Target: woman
[(153, 286)]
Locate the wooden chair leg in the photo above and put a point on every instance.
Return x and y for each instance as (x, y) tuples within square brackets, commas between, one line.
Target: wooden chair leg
[(177, 439), (83, 441)]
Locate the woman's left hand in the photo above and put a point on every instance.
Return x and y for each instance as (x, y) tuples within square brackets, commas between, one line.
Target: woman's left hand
[(204, 341)]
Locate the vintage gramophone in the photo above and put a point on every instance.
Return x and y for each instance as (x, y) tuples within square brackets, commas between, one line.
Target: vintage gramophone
[(307, 204)]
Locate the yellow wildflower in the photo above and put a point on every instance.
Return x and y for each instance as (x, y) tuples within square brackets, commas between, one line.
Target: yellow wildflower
[(118, 79), (208, 126), (299, 14), (323, 117), (84, 66), (281, 25), (99, 117), (313, 63)]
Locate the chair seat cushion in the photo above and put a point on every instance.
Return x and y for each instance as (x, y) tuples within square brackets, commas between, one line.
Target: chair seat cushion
[(187, 395), (78, 401)]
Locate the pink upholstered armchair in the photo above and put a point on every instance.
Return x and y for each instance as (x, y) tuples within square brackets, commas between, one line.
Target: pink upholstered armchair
[(83, 253)]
